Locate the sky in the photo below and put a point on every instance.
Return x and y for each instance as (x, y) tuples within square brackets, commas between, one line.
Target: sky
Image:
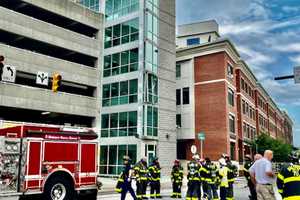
[(266, 34)]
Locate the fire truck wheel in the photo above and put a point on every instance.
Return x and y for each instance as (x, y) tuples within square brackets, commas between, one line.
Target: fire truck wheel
[(59, 188)]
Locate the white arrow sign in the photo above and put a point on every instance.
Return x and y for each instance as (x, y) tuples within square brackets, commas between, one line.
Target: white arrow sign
[(42, 78), (9, 73)]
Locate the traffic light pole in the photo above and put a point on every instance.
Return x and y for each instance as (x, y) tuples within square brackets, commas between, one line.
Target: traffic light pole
[(284, 77)]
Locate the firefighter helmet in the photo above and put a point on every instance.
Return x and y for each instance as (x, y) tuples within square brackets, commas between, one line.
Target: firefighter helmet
[(196, 157), (295, 157), (126, 158), (248, 157), (222, 162), (225, 155)]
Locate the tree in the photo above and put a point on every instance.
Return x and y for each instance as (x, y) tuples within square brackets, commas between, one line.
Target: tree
[(280, 149)]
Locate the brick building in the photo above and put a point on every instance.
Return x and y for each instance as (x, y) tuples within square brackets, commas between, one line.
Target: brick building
[(219, 95)]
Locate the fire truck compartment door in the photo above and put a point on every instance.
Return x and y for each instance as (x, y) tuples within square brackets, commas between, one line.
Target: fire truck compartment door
[(88, 164), (10, 165), (33, 169)]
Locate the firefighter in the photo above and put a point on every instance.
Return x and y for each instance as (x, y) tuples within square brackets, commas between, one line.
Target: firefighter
[(223, 174), (248, 164), (154, 171), (124, 181), (177, 177), (232, 171), (141, 173), (206, 178), (211, 179), (288, 180), (194, 179), (215, 181)]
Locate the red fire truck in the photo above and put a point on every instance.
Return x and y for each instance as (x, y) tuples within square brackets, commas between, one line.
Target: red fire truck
[(57, 162)]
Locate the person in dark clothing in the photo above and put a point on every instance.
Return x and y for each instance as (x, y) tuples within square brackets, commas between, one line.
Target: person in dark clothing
[(248, 164), (288, 179), (124, 181)]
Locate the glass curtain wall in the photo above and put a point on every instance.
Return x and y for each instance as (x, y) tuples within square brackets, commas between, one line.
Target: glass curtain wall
[(91, 4), (111, 161)]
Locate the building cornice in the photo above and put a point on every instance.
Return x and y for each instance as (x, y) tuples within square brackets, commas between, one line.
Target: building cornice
[(223, 45)]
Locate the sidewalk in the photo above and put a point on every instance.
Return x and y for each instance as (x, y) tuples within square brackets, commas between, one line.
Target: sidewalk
[(109, 184)]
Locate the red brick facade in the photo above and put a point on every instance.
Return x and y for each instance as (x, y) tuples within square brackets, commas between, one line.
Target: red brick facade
[(253, 110)]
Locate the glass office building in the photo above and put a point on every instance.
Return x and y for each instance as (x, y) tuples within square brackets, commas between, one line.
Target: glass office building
[(91, 4), (138, 83)]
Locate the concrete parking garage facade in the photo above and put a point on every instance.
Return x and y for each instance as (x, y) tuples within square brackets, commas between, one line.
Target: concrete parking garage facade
[(53, 37)]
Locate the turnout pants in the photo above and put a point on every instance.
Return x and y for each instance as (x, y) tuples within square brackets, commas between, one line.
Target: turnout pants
[(193, 192), (176, 189), (230, 191), (214, 189), (141, 188), (207, 190), (155, 189), (223, 193)]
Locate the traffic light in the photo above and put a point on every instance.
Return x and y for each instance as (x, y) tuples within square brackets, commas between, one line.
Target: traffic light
[(56, 82), (1, 66)]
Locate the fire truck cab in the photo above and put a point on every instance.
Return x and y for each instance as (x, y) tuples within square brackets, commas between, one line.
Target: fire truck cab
[(57, 162)]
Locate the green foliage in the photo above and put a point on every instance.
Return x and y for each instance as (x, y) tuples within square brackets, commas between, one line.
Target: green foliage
[(280, 149)]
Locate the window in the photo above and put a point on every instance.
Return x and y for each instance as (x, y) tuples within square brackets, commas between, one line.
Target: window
[(193, 41), (178, 96), (151, 59), (119, 124), (119, 93), (230, 97), (185, 96), (152, 89), (120, 63), (121, 33), (242, 84), (178, 70), (151, 26), (111, 162), (118, 8), (244, 106), (230, 71), (178, 120), (91, 4), (232, 150), (152, 121), (231, 124)]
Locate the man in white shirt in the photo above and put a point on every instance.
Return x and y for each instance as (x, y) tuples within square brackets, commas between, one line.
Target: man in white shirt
[(263, 177)]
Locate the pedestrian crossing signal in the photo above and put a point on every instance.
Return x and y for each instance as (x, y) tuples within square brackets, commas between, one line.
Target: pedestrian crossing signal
[(56, 82)]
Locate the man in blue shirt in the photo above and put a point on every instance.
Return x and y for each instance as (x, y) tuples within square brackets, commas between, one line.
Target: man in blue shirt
[(263, 177)]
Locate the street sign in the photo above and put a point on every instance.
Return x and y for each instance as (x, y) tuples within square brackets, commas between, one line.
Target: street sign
[(193, 149), (201, 136), (297, 74), (42, 78), (9, 73)]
